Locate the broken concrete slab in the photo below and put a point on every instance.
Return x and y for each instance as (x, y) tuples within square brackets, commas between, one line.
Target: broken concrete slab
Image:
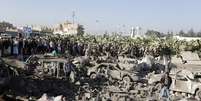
[(190, 56)]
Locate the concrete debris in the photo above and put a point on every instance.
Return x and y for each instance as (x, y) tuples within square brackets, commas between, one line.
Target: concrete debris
[(82, 79)]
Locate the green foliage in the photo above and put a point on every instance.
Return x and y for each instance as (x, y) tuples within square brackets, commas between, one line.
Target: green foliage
[(46, 30), (167, 45), (80, 30), (5, 25), (152, 33), (189, 33), (181, 33)]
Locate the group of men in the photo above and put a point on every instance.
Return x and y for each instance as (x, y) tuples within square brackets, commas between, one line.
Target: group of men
[(29, 46), (70, 46)]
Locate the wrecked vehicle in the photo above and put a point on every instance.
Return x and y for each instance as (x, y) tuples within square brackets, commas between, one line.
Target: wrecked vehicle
[(41, 66), (99, 70), (6, 74), (4, 77), (127, 63), (117, 76), (113, 71), (182, 81)]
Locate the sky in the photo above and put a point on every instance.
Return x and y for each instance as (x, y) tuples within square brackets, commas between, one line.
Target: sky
[(106, 15)]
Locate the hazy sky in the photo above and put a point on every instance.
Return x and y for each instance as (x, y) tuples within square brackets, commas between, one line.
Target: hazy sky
[(101, 15)]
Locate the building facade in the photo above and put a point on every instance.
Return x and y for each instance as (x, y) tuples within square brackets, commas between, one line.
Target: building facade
[(67, 28), (187, 38), (137, 32)]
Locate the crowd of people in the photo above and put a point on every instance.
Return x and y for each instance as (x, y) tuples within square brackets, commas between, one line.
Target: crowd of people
[(70, 45)]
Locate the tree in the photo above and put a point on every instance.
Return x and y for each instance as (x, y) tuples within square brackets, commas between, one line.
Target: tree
[(46, 30), (198, 34), (169, 36), (80, 30), (181, 33), (191, 33), (152, 33), (60, 27), (5, 25)]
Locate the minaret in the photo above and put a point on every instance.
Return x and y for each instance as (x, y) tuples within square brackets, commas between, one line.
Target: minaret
[(132, 32), (137, 31)]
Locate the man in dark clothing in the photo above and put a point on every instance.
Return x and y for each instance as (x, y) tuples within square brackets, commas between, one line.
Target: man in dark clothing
[(79, 49), (69, 67), (20, 48), (75, 49), (166, 82), (69, 70)]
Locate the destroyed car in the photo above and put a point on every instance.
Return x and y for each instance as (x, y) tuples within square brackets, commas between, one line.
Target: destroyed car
[(127, 63), (6, 73), (182, 81), (46, 66), (113, 71)]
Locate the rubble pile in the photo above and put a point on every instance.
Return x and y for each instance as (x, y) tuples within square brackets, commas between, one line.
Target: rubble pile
[(49, 79)]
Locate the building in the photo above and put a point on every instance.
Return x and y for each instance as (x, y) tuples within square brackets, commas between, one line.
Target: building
[(136, 32), (132, 32), (187, 38), (68, 28)]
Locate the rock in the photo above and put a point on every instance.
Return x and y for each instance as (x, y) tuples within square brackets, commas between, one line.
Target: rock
[(45, 97), (58, 98)]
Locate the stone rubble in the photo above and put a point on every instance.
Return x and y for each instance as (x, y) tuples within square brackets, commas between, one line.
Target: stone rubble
[(100, 88)]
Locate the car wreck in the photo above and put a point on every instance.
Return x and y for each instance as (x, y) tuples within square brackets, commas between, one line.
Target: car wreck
[(42, 66), (182, 81)]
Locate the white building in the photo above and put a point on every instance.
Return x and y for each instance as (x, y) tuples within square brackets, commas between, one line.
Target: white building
[(187, 38), (67, 28), (132, 32), (136, 32)]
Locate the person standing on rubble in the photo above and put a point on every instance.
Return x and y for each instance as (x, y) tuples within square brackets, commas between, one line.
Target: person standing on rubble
[(88, 50), (166, 82), (69, 69)]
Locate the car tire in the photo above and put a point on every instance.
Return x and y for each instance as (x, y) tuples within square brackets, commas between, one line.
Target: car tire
[(126, 85), (93, 76), (198, 94)]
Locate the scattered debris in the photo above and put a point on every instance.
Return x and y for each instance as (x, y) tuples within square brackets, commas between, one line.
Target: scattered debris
[(45, 79)]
